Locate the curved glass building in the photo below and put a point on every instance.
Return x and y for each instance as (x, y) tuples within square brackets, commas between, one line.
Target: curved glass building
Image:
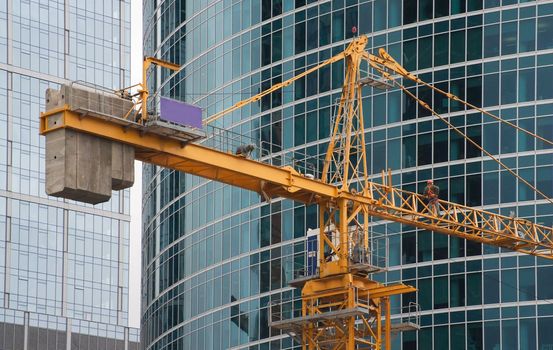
[(215, 257)]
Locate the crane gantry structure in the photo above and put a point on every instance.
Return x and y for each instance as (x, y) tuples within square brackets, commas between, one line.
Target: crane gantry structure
[(342, 308)]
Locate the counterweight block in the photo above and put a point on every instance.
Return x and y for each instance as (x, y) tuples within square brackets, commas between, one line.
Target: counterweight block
[(81, 166)]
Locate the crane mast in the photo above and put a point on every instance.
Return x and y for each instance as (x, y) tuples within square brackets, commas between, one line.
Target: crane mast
[(342, 307)]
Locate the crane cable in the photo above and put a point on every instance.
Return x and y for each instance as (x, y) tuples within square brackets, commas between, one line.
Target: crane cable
[(468, 104), (425, 105)]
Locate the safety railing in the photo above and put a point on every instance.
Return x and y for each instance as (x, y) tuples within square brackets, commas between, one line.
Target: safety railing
[(460, 220), (370, 257), (406, 316)]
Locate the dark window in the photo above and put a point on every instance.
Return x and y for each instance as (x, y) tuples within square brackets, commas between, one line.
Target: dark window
[(545, 276), (457, 337), (474, 336), (277, 46), (300, 37), (457, 145), (441, 337), (545, 77), (457, 290), (508, 285), (394, 13), (425, 95), (425, 9), (491, 191), (338, 26), (425, 337), (299, 130), (255, 56), (508, 182), (474, 288), (491, 89), (409, 11), (441, 102), (312, 30), (312, 125), (545, 336), (409, 151), (441, 296), (441, 145), (458, 6), (474, 43), (441, 246), (441, 8), (474, 5), (528, 333), (474, 91), (457, 53), (380, 19), (379, 156), (527, 35), (424, 245), (475, 134), (337, 74), (491, 335), (474, 192), (312, 84), (526, 85), (527, 284), (425, 52), (266, 9), (457, 87), (351, 21), (509, 331), (545, 33), (491, 40), (491, 287), (509, 38), (424, 287), (324, 30), (410, 55), (508, 139), (324, 122), (277, 7), (424, 149), (409, 248), (409, 341)]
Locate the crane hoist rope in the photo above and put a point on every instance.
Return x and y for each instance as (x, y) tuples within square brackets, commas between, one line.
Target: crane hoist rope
[(474, 143), (392, 65), (396, 68)]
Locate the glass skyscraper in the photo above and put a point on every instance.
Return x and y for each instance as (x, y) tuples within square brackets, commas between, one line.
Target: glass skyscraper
[(215, 257), (63, 265)]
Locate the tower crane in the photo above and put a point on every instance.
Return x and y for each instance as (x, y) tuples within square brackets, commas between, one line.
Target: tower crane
[(342, 307)]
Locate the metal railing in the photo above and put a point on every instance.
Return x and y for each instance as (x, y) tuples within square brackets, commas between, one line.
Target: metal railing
[(410, 314), (372, 259)]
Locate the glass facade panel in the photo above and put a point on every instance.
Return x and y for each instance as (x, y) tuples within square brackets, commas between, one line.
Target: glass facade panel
[(492, 53), (64, 270)]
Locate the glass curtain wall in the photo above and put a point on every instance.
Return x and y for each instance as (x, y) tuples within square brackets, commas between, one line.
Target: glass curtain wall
[(63, 264), (215, 257)]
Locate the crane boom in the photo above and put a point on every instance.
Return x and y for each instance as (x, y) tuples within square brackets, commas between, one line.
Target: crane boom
[(382, 201)]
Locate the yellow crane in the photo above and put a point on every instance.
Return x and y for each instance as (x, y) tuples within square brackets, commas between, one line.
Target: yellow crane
[(342, 308)]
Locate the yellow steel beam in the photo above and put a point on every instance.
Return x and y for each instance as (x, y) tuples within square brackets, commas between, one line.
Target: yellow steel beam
[(196, 159), (381, 201)]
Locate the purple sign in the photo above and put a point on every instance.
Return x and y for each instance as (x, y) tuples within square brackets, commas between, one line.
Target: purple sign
[(180, 113)]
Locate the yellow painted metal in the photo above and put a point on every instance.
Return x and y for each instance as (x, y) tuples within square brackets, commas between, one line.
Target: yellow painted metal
[(198, 160), (345, 311), (345, 196), (144, 92), (388, 326)]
